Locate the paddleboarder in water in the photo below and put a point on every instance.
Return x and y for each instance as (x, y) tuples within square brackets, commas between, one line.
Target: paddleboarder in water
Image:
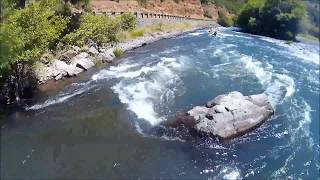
[(213, 32)]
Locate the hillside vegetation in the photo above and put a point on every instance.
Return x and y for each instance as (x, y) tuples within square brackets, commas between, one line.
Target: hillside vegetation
[(45, 27), (282, 19)]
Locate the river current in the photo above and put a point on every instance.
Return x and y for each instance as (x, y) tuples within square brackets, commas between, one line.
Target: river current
[(108, 123)]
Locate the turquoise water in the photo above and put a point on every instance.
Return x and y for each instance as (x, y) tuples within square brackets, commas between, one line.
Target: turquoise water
[(108, 124)]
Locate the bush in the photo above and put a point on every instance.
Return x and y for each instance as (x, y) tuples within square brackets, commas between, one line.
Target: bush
[(100, 29), (118, 52), (224, 20), (128, 21), (136, 33), (24, 36)]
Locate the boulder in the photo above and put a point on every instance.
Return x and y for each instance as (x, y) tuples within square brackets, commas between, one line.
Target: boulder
[(82, 61), (76, 48), (64, 68), (81, 55), (107, 55), (66, 56), (228, 116), (93, 51)]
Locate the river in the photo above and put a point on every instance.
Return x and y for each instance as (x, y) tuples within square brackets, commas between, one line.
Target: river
[(108, 123)]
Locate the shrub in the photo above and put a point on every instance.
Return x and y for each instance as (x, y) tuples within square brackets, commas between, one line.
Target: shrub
[(128, 21), (118, 52), (224, 20), (136, 33), (160, 26), (24, 36), (100, 29)]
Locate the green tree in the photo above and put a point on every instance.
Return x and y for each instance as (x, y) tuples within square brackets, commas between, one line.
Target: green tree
[(274, 18), (224, 20), (128, 21), (100, 29), (25, 35)]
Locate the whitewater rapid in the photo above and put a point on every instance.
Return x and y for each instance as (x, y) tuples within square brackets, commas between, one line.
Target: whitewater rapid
[(191, 69)]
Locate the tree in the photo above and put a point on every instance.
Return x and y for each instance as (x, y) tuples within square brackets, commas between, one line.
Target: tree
[(274, 18), (25, 35), (99, 29), (127, 21), (224, 20)]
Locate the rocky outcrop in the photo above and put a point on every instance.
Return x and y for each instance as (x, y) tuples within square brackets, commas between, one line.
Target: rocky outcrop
[(228, 116), (82, 61), (65, 69)]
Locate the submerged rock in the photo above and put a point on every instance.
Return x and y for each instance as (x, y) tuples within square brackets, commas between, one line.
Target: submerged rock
[(229, 115)]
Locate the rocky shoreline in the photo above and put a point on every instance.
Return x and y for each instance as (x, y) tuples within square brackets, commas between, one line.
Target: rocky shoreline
[(71, 62)]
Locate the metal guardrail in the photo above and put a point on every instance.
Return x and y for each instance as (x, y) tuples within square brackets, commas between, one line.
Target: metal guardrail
[(145, 15)]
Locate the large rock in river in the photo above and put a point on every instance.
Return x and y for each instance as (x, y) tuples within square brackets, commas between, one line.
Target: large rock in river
[(229, 115)]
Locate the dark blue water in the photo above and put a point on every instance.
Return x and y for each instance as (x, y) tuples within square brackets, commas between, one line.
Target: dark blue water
[(109, 124)]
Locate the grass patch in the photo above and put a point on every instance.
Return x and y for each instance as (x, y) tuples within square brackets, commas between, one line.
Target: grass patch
[(136, 33), (118, 52), (154, 28), (167, 27)]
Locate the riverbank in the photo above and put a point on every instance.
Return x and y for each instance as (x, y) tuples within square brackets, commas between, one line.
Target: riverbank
[(73, 60)]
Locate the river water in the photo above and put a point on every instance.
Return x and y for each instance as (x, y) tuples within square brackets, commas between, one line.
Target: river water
[(108, 123)]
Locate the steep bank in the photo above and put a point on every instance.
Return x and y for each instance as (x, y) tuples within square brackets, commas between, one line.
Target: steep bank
[(185, 8)]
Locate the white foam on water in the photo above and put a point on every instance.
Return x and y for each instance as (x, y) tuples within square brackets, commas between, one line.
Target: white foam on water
[(270, 40), (288, 82), (198, 33), (122, 68), (305, 52), (301, 112), (278, 86), (224, 51), (257, 69), (61, 98), (229, 173), (308, 54), (304, 123), (144, 89), (167, 138), (138, 100), (223, 34)]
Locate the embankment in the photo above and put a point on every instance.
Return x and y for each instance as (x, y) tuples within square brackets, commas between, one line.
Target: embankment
[(81, 59)]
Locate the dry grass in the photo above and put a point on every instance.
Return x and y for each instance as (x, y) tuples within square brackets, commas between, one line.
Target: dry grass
[(151, 29)]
